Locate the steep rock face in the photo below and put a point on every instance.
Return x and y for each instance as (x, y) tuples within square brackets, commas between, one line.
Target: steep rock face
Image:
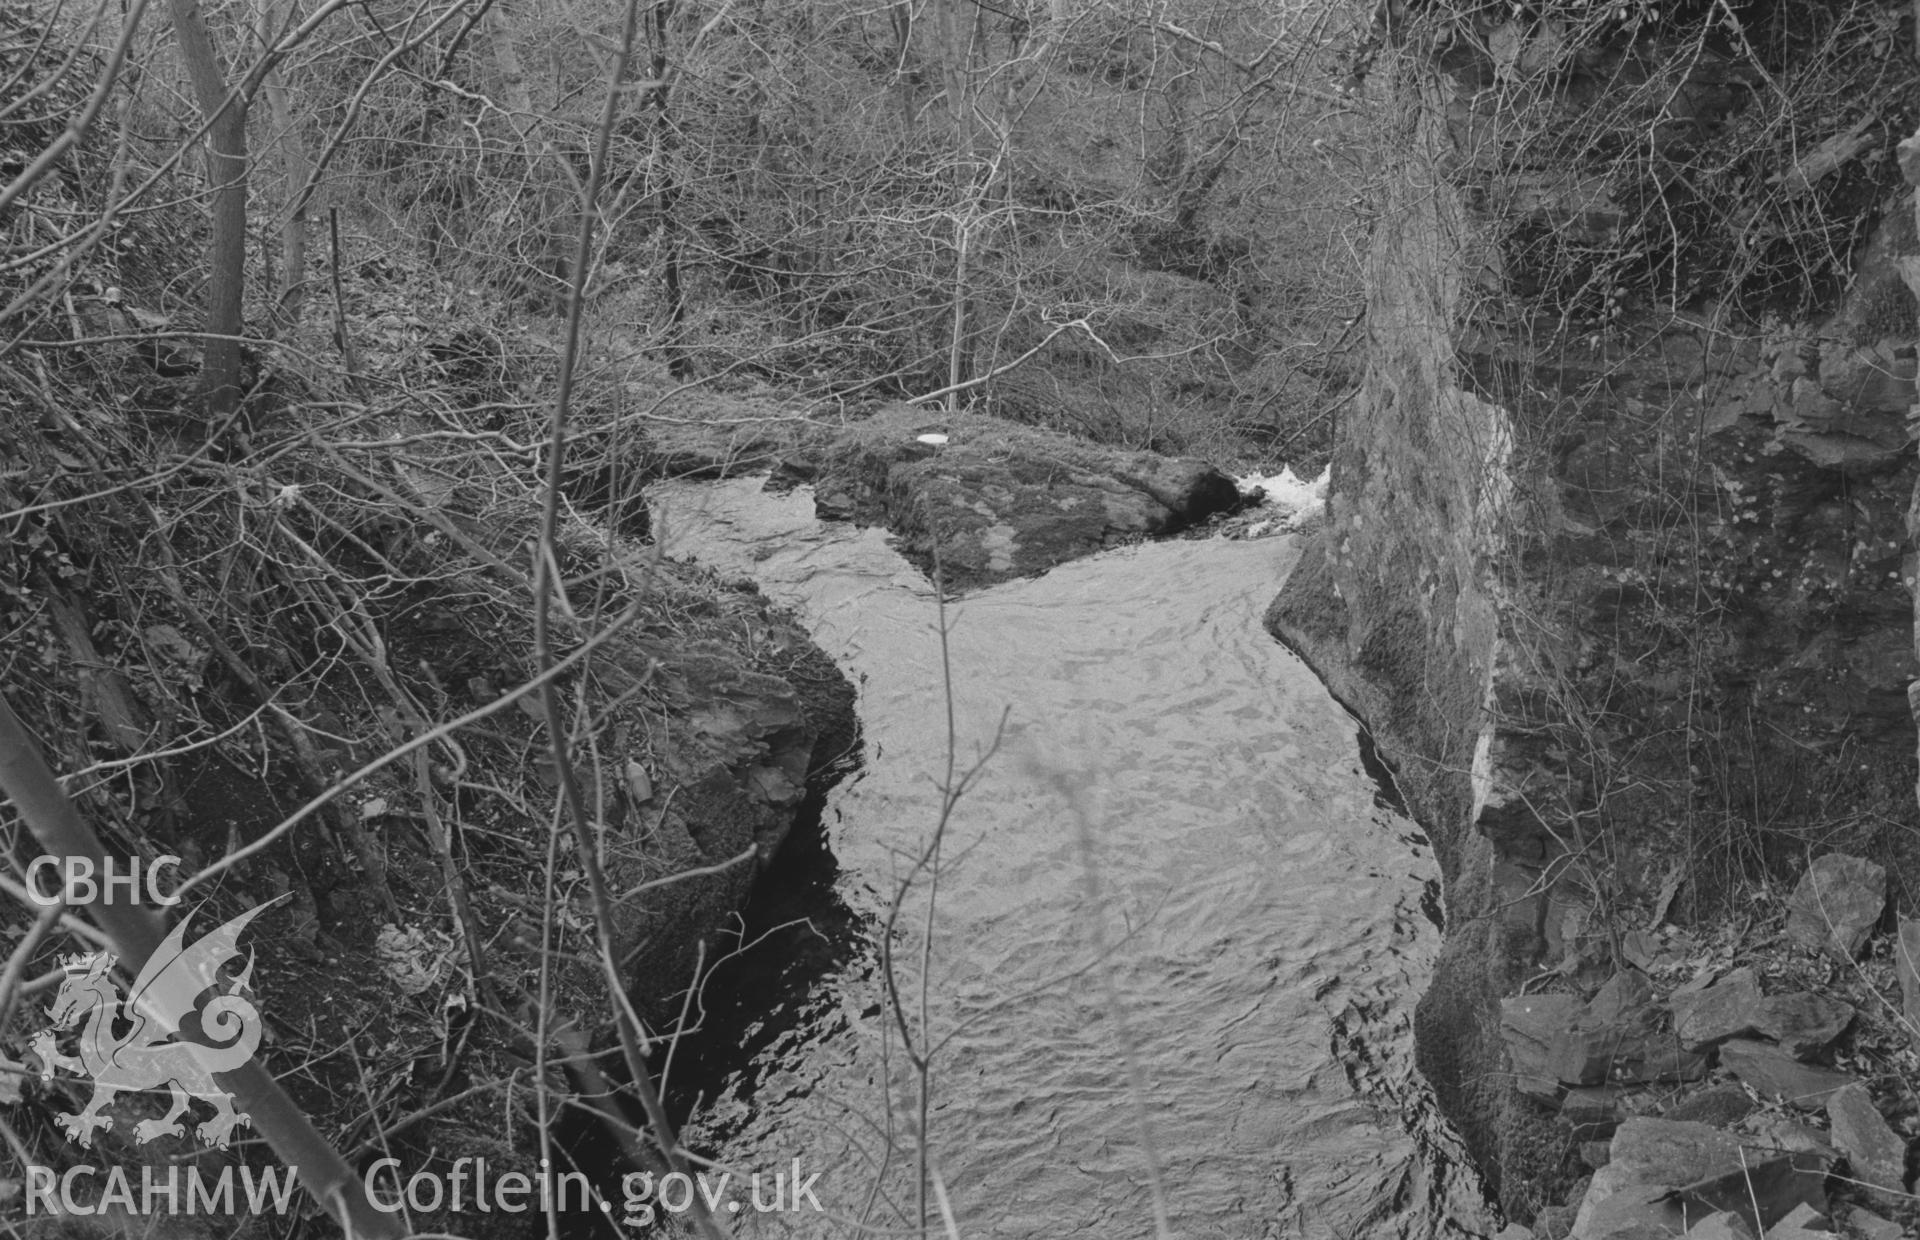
[(1396, 606), (726, 783), (1629, 612)]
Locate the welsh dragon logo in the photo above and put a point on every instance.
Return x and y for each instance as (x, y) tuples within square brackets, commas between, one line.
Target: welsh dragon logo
[(174, 1033)]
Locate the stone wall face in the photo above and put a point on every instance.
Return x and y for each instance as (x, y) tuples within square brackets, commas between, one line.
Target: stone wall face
[(1631, 613)]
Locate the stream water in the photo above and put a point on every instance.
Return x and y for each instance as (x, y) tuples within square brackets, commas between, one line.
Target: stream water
[(1177, 931)]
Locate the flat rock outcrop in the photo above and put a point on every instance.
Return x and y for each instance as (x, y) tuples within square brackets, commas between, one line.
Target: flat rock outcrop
[(996, 500)]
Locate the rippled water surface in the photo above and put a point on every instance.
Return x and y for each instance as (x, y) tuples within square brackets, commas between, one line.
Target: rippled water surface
[(1175, 930)]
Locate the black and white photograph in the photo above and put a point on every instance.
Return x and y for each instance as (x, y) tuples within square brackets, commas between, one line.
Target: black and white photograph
[(959, 619)]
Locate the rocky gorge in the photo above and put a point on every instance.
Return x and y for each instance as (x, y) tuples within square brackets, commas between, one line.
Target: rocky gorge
[(1617, 569), (1667, 1062)]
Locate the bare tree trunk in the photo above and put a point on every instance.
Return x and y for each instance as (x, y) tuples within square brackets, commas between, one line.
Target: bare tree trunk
[(294, 162), (513, 78), (901, 17), (547, 174), (959, 361), (227, 179), (666, 143), (962, 38)]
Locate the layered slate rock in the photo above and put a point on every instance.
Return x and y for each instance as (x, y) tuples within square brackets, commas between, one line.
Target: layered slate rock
[(1805, 1223), (1719, 1105), (716, 795), (1874, 1151), (1665, 1176), (1766, 1187), (1772, 1073), (1873, 1227), (997, 500), (1614, 1039), (1792, 1134), (1802, 1023), (1624, 1001), (1529, 1025), (1906, 964), (1836, 903), (1593, 1111), (1726, 1009)]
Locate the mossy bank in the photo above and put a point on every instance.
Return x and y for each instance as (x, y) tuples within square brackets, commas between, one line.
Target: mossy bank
[(202, 655)]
